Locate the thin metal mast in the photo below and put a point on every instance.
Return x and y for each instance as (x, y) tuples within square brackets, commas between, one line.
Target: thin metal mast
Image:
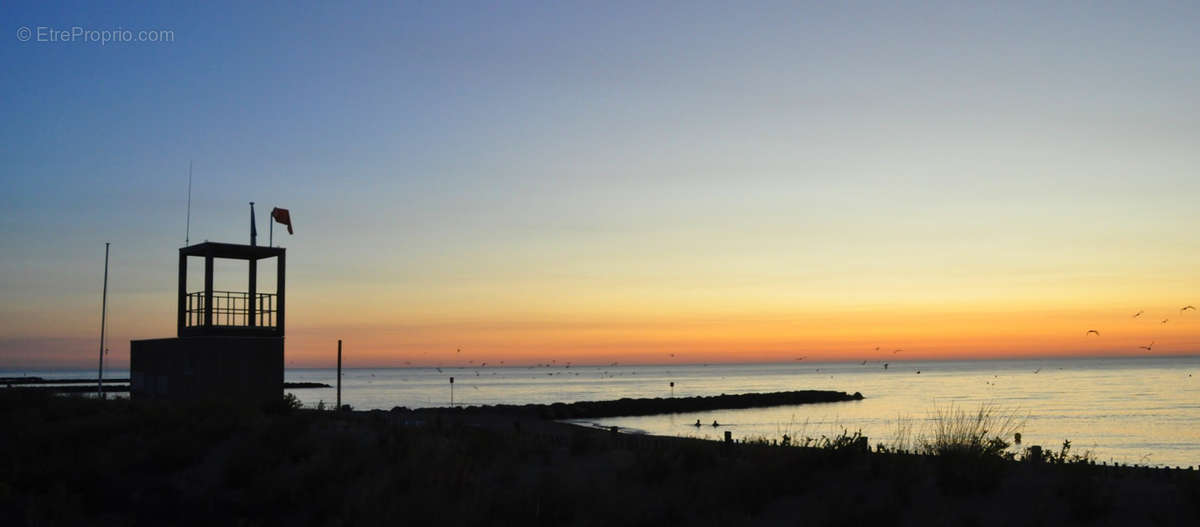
[(103, 313), (187, 237)]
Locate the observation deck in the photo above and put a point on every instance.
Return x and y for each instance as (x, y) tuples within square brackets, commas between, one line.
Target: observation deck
[(209, 312)]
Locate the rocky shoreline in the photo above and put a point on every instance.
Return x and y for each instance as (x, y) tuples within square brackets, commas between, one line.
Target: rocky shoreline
[(652, 406)]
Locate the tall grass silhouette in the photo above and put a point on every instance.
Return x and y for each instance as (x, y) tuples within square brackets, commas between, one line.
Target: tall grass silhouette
[(983, 432)]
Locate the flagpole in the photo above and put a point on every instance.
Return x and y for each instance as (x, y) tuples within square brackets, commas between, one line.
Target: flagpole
[(103, 313), (253, 229), (271, 230)]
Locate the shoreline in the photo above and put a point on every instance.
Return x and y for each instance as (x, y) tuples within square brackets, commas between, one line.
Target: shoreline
[(534, 417)]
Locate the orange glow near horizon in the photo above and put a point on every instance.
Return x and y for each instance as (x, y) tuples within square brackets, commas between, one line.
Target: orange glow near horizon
[(928, 335), (590, 327), (541, 302)]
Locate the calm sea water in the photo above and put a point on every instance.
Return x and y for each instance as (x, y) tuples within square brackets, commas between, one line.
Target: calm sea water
[(1144, 410)]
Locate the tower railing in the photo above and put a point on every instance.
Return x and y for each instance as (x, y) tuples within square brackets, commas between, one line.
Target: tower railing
[(231, 309)]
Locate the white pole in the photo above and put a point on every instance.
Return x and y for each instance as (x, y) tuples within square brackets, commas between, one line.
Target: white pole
[(103, 312)]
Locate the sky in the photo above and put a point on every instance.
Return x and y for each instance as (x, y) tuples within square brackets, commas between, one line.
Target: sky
[(645, 182)]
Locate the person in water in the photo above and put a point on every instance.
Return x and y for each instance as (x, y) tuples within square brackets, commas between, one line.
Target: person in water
[(715, 423), (697, 423)]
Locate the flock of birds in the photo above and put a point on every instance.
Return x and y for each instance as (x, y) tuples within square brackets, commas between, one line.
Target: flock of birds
[(1148, 347), (1090, 332)]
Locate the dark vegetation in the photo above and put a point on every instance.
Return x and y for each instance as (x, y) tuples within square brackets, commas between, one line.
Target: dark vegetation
[(110, 385), (10, 381), (74, 461)]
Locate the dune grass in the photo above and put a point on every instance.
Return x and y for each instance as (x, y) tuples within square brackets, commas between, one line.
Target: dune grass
[(983, 432), (902, 438), (949, 431)]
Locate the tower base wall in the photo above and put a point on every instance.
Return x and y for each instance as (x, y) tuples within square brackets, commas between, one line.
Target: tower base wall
[(246, 369)]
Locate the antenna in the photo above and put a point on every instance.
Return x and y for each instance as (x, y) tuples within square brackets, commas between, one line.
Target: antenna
[(103, 313), (187, 236)]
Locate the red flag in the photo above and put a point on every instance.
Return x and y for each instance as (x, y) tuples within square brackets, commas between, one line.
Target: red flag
[(282, 216)]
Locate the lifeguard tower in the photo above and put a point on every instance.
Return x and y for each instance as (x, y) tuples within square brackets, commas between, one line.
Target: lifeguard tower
[(228, 344)]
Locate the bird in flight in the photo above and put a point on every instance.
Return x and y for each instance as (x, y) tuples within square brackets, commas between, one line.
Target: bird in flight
[(1164, 321), (1138, 314), (1148, 348), (1090, 331), (1185, 308), (896, 351)]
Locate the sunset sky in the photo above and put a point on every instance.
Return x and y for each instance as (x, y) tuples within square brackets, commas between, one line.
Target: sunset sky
[(613, 181)]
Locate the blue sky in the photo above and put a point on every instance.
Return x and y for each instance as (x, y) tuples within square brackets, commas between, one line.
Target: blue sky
[(469, 163)]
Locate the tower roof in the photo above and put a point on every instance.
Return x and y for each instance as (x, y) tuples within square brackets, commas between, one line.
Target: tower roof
[(231, 250)]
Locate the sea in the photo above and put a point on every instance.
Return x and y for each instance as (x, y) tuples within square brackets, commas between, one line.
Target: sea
[(1143, 411)]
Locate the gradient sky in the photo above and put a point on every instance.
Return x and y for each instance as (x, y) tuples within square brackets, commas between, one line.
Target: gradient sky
[(614, 181)]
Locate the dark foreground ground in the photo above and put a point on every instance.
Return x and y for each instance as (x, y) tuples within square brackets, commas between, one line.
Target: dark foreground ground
[(70, 461)]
